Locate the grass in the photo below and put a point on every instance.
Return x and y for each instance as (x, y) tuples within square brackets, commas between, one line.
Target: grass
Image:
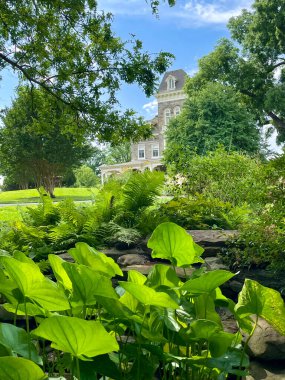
[(11, 213), (32, 195)]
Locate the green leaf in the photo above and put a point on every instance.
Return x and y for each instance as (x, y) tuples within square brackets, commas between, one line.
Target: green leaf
[(127, 299), (162, 275), (59, 272), (83, 254), (149, 296), (263, 302), (207, 282), (203, 329), (205, 308), (87, 284), (172, 242), (78, 337), (219, 343), (12, 368), (101, 364), (34, 285), (17, 340)]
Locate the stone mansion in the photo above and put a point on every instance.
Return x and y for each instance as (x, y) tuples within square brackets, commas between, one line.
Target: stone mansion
[(148, 153)]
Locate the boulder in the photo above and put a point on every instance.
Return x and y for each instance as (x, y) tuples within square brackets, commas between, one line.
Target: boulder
[(263, 371), (213, 263), (132, 259), (266, 343)]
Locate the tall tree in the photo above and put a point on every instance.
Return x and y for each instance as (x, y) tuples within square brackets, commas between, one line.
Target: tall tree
[(68, 48), (212, 116), (252, 62), (33, 147)]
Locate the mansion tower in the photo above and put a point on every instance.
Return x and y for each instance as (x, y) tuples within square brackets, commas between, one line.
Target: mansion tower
[(148, 153)]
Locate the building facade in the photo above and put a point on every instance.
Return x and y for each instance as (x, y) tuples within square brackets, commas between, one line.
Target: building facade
[(147, 154)]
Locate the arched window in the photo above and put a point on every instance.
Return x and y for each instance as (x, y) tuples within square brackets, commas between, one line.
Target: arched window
[(176, 111), (167, 116)]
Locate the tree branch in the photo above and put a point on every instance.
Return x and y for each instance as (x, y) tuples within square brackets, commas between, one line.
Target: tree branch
[(24, 71), (278, 122)]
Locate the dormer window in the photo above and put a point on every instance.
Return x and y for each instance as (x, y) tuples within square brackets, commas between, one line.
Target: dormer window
[(170, 83)]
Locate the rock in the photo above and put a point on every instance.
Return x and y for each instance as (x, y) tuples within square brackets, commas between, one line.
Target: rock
[(132, 259), (212, 238), (263, 371), (213, 263), (115, 253), (266, 343), (145, 269), (66, 257)]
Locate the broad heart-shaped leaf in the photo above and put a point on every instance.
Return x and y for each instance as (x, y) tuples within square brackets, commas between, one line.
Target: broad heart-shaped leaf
[(59, 272), (12, 368), (207, 282), (162, 275), (172, 242), (86, 255), (31, 309), (34, 285), (262, 301), (128, 299), (87, 284), (149, 296), (17, 341), (78, 337)]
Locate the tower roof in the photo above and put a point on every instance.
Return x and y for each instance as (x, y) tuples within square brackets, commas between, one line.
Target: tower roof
[(179, 76)]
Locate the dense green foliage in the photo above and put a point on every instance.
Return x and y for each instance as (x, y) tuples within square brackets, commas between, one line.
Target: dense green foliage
[(211, 116), (33, 146), (115, 217), (68, 49), (155, 325), (252, 62), (85, 177)]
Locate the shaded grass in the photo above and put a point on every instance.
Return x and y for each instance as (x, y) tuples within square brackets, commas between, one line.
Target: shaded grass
[(32, 195)]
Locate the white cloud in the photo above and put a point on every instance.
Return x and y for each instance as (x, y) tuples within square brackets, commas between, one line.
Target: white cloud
[(188, 13), (150, 108)]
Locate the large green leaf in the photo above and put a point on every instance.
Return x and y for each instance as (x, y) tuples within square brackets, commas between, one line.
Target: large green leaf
[(207, 282), (128, 299), (148, 296), (83, 254), (18, 341), (34, 285), (76, 336), (59, 272), (12, 368), (263, 302), (162, 275), (172, 242), (87, 284)]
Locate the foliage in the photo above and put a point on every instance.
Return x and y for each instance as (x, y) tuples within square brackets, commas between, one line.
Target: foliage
[(171, 325), (212, 115), (229, 176), (85, 177), (252, 62), (33, 147), (70, 51), (114, 218), (202, 213)]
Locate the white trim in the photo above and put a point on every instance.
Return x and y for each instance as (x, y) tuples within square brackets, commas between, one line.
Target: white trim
[(141, 148), (155, 147), (167, 116)]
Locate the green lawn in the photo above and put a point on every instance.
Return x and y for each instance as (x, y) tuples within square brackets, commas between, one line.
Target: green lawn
[(32, 195), (11, 213)]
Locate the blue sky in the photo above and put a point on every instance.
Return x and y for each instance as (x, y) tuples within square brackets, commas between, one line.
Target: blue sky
[(189, 30)]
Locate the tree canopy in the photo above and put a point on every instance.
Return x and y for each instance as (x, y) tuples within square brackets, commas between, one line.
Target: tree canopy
[(33, 148), (252, 62), (68, 48), (212, 116)]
